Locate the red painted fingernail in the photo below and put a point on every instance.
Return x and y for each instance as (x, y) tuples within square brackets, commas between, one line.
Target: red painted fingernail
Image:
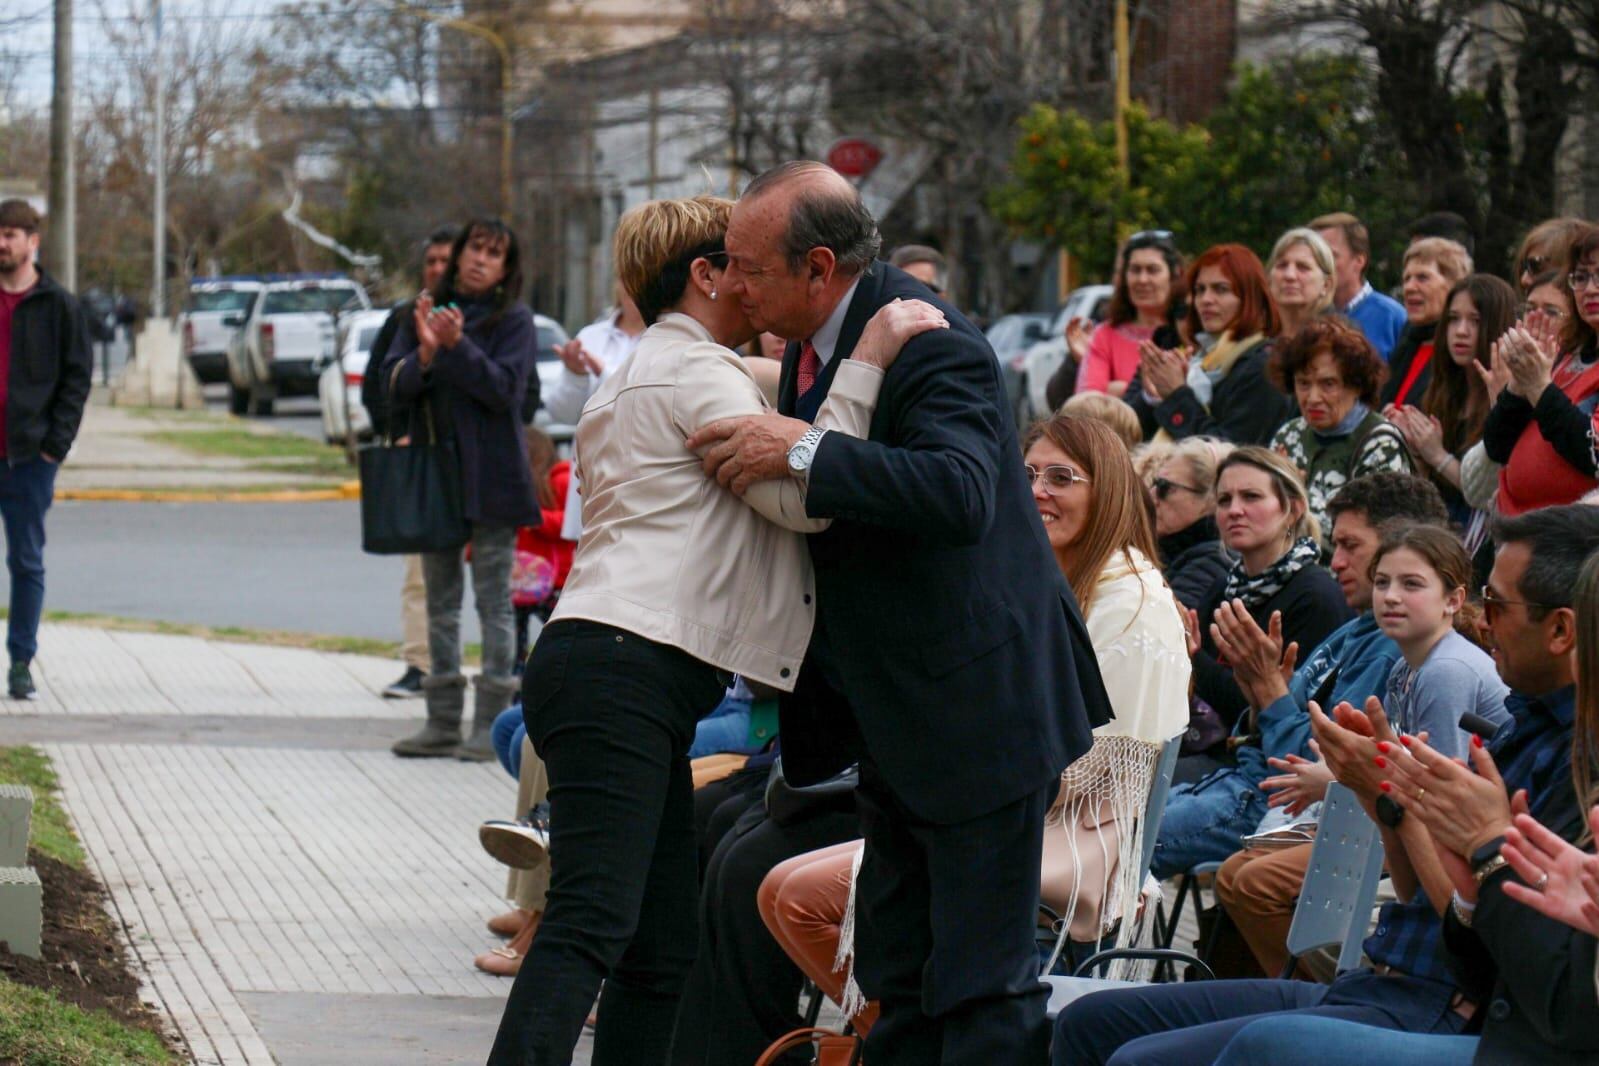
[(1382, 763), (1382, 746), (1405, 740), (1476, 741), (1385, 786)]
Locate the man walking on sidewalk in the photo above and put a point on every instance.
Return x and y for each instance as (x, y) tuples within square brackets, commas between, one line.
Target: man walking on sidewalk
[(45, 365)]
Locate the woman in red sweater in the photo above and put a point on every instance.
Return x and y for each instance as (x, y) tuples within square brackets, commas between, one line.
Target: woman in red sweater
[(1542, 426), (543, 558)]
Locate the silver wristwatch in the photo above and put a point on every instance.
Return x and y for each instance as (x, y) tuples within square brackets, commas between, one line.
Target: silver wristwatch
[(803, 451)]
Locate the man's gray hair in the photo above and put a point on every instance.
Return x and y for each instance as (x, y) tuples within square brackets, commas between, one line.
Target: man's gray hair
[(906, 254), (824, 215)]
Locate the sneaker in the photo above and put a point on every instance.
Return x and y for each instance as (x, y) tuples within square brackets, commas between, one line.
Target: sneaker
[(521, 844), (408, 686), (20, 682)]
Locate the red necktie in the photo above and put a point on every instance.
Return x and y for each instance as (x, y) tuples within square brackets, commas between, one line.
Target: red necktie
[(810, 366)]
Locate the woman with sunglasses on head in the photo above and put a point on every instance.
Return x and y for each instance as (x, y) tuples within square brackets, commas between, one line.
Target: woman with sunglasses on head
[(1184, 493), (1546, 373), (674, 585), (1217, 385), (1148, 295), (1334, 373), (1544, 250)]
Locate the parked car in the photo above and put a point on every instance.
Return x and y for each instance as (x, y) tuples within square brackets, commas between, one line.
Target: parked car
[(287, 336), (549, 367), (1010, 337), (1038, 364), (205, 336), (339, 387)]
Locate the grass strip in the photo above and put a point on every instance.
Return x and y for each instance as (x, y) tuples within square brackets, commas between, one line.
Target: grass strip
[(50, 832), (37, 1029), (268, 451)]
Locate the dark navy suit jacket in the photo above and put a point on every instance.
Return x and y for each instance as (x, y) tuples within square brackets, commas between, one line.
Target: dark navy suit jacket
[(949, 650)]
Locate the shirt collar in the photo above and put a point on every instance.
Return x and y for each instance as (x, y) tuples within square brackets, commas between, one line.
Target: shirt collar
[(1365, 291), (825, 339)]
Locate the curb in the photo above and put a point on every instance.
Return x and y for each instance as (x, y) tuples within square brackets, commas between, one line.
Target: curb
[(349, 490)]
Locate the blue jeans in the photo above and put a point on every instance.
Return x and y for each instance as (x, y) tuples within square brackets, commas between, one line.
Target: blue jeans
[(726, 729), (26, 491), (1205, 821), (1339, 1043), (506, 736), (1180, 1024)]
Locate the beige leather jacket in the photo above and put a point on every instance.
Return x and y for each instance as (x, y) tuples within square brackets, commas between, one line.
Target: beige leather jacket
[(669, 554)]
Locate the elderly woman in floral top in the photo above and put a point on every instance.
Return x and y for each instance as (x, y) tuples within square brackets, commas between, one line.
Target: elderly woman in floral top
[(1334, 374)]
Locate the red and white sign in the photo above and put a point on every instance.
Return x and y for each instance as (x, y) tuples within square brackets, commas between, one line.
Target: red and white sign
[(854, 157)]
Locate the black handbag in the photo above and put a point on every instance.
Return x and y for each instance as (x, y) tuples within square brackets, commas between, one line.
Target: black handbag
[(787, 804), (411, 500)]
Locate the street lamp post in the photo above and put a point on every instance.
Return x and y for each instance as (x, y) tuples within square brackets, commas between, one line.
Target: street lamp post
[(504, 50)]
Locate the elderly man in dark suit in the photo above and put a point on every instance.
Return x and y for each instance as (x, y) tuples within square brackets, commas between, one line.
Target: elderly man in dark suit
[(949, 657)]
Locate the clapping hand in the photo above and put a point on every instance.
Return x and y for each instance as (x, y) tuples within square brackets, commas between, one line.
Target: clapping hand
[(1077, 337), (1462, 810), (427, 338), (1532, 362), (1352, 742), (1301, 783), (1261, 665), (1422, 432), (577, 358), (1496, 375), (1165, 370), (1562, 881)]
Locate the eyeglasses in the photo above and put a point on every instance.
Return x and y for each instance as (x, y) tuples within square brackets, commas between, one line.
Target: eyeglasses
[(1534, 264), (1547, 310), (1578, 280), (1492, 604), (1163, 487), (716, 259), (1057, 479)]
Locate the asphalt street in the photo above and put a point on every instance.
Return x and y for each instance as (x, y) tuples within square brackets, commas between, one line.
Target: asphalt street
[(296, 566)]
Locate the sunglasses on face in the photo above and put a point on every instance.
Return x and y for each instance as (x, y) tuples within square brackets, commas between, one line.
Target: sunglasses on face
[(1493, 603), (1163, 487)]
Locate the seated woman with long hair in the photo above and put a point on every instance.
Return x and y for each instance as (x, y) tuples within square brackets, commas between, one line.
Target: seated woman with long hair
[(1098, 525)]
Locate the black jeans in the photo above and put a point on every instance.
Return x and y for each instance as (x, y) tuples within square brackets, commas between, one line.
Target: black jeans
[(743, 992), (945, 917), (612, 715)]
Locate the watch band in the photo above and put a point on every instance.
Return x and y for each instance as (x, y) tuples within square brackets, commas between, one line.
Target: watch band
[(1489, 868)]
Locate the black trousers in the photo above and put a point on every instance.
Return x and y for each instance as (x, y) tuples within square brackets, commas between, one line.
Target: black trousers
[(945, 917), (612, 715), (743, 992)]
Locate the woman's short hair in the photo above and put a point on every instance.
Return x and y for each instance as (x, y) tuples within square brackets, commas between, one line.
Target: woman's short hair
[(1115, 413), (1118, 517), (1242, 269), (1319, 251), (1359, 365), (1450, 257), (1547, 246), (1121, 299), (1287, 484), (1201, 457), (656, 244)]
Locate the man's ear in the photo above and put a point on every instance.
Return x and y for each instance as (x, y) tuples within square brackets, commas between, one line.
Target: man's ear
[(820, 264), (1560, 631)]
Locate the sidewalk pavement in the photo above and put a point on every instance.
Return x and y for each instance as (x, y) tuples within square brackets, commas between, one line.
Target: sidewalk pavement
[(114, 457), (292, 892)]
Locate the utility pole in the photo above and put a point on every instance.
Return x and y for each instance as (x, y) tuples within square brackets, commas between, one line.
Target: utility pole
[(158, 295), (62, 252)]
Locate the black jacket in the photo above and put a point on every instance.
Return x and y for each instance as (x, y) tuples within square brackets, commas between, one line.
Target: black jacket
[(1312, 605), (51, 368), (947, 641), (475, 392), (375, 384), (1399, 361), (1194, 561), (1245, 408)]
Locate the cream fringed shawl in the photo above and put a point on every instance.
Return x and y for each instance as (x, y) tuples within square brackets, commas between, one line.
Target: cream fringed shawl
[(1095, 832)]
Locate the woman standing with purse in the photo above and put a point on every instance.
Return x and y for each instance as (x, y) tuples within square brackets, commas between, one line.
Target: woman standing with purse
[(465, 363)]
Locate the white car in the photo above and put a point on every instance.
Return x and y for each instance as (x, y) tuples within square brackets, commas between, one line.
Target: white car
[(339, 387), (201, 325), (1039, 363), (286, 337)]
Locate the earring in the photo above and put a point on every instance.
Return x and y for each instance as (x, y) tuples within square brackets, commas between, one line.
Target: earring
[(713, 294)]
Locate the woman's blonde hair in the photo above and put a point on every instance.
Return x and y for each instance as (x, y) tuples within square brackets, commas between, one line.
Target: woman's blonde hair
[(656, 244), (1320, 251), (1118, 518), (1115, 413), (1287, 485), (1202, 456), (1585, 730), (1450, 257)]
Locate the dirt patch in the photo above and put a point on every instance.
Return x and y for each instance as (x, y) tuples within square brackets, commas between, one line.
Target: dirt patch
[(82, 959)]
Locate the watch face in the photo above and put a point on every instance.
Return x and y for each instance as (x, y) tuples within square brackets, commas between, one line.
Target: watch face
[(799, 458)]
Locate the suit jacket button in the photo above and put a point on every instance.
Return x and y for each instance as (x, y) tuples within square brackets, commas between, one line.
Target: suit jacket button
[(807, 597), (784, 672), (1499, 1010)]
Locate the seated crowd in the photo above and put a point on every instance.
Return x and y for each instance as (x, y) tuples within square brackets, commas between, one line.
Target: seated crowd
[(1317, 535)]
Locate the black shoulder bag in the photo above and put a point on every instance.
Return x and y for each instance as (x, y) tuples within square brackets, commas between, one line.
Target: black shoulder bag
[(411, 499)]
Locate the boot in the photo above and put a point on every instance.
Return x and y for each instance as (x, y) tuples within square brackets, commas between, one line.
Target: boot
[(494, 694), (446, 699)]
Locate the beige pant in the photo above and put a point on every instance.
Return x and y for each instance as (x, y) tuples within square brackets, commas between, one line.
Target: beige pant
[(414, 619), (527, 888)]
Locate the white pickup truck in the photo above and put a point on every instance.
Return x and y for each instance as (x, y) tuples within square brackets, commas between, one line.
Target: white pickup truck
[(285, 339), (205, 337)]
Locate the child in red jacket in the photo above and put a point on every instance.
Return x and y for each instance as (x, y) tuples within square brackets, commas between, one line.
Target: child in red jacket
[(543, 559)]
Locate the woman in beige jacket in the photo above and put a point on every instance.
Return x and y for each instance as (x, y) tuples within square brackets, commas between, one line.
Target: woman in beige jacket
[(676, 583)]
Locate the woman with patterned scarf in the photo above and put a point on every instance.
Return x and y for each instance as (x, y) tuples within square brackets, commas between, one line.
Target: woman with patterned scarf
[(1098, 525)]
